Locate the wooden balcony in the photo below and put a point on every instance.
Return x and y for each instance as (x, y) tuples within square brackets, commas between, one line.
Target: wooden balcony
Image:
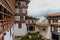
[(55, 24), (6, 19), (6, 6)]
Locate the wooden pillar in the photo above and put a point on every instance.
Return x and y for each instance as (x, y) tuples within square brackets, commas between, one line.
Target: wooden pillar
[(3, 17)]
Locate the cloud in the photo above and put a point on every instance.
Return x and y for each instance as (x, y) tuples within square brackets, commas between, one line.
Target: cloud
[(40, 8), (43, 7)]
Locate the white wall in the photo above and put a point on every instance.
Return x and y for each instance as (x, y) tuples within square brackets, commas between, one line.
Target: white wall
[(12, 32), (7, 36), (47, 33), (20, 31), (36, 29)]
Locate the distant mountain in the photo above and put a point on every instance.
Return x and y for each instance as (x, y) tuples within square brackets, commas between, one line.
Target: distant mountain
[(45, 21)]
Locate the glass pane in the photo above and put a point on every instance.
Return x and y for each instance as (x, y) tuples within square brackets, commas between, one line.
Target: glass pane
[(23, 10), (17, 18), (23, 3)]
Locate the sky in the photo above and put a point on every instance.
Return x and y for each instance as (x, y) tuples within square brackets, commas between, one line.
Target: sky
[(40, 8)]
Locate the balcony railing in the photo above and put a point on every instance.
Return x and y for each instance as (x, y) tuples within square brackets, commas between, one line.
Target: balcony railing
[(6, 19), (55, 23)]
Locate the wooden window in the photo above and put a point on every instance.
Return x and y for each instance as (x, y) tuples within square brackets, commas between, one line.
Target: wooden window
[(23, 10), (23, 18), (23, 3), (19, 25), (55, 29), (17, 3), (17, 18), (17, 10), (58, 29), (0, 7), (1, 16), (4, 10), (32, 21), (55, 20)]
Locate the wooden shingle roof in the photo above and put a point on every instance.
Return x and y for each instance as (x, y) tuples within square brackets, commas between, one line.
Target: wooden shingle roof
[(54, 14)]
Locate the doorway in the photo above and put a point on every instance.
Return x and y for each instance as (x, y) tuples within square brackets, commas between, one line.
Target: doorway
[(31, 28)]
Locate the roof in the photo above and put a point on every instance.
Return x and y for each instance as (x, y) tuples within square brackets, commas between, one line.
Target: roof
[(54, 14), (29, 17), (43, 25)]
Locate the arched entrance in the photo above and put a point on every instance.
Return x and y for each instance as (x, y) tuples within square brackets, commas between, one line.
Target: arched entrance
[(31, 28)]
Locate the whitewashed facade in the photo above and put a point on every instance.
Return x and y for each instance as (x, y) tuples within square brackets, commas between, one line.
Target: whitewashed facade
[(20, 31), (9, 34), (45, 32)]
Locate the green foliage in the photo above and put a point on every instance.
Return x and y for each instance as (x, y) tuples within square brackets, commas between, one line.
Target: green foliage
[(37, 38), (25, 38)]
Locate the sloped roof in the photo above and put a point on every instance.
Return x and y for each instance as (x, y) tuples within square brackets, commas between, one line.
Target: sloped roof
[(43, 25), (29, 17), (54, 14)]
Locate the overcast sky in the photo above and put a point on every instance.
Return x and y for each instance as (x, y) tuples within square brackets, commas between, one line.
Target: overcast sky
[(42, 7), (39, 8)]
